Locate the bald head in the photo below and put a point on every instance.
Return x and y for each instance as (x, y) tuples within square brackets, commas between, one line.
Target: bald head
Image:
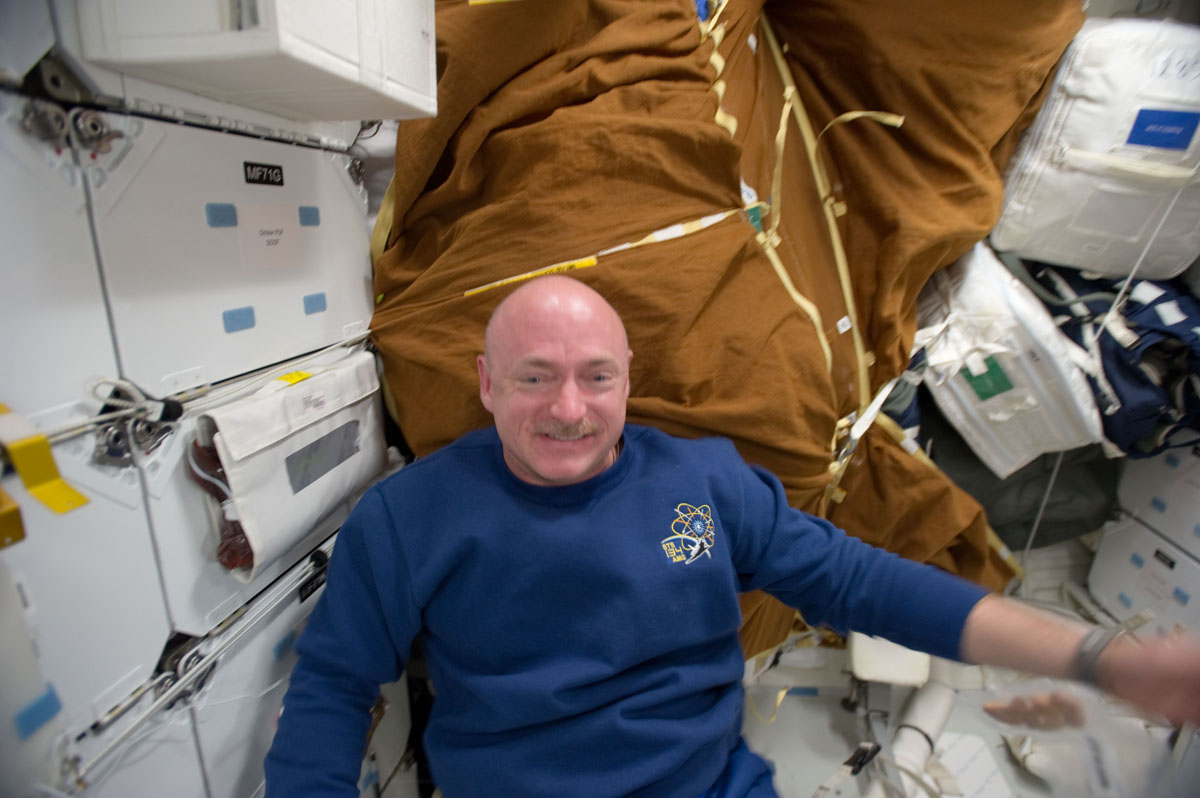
[(555, 296), (555, 377)]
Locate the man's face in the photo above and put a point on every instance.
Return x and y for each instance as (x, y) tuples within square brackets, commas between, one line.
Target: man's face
[(556, 379)]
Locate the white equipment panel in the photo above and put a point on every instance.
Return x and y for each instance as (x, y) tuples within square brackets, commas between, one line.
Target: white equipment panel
[(1164, 493), (236, 711), (52, 319), (1137, 569), (224, 253), (305, 60), (160, 759)]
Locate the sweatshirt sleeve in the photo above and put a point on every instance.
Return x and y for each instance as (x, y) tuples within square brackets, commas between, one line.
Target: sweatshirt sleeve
[(357, 638), (841, 581)]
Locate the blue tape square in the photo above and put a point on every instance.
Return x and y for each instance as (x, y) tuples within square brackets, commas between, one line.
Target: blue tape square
[(1168, 130), (1158, 504), (238, 319), (310, 216), (314, 303), (1181, 596), (221, 214), (1128, 602), (1172, 461), (285, 645), (1137, 560), (38, 713), (1196, 530)]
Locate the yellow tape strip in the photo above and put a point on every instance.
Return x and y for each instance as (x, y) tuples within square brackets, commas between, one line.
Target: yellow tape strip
[(557, 268), (30, 455), (293, 377), (12, 529), (828, 202), (665, 234)]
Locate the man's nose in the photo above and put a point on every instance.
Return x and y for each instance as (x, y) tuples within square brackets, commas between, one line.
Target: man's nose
[(568, 403)]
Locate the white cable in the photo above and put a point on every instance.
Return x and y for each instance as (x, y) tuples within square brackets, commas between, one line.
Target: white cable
[(202, 474)]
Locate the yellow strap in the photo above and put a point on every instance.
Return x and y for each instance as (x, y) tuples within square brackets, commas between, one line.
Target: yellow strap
[(665, 234), (712, 22), (29, 453), (779, 696), (882, 117), (383, 222), (11, 527), (828, 202), (717, 61), (802, 301)]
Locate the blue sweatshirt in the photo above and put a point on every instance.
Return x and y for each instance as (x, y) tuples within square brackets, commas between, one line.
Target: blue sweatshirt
[(582, 640)]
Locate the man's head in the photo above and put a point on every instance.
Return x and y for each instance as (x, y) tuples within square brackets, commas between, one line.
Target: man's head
[(555, 375)]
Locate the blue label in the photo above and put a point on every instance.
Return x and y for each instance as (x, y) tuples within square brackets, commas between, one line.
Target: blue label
[(314, 303), (238, 319), (1125, 600), (1168, 130), (1137, 560), (1181, 596)]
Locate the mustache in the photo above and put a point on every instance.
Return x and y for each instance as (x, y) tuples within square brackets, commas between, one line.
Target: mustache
[(577, 429)]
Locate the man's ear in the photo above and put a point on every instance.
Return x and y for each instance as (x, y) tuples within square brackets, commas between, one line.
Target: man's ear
[(628, 373), (485, 382)]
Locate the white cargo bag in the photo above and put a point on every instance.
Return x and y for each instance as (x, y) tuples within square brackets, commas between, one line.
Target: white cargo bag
[(999, 368), (1110, 166), (295, 449)]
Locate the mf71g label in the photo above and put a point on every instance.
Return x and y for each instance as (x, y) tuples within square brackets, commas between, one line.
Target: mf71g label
[(263, 173)]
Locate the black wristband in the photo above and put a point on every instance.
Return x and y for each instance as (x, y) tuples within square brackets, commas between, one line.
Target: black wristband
[(1088, 654)]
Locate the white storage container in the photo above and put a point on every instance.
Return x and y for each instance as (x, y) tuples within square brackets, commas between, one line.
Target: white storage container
[(999, 368), (282, 526), (221, 253), (1164, 493), (301, 59), (1111, 166), (1137, 569)]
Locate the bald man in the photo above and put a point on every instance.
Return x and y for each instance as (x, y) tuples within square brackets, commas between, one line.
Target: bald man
[(572, 582)]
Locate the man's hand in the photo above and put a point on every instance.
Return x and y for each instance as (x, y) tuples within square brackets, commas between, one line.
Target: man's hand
[(1048, 711), (1161, 676)]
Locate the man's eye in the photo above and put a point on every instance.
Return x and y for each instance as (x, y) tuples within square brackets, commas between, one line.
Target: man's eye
[(601, 377), (532, 380)]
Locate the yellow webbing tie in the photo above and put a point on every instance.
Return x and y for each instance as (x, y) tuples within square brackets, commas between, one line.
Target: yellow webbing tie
[(779, 696), (665, 234), (29, 452), (830, 204), (769, 240)]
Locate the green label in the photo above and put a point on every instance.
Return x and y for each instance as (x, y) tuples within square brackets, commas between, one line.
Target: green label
[(992, 382)]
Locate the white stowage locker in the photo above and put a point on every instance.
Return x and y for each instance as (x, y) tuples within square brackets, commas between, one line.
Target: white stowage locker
[(1136, 569), (81, 562), (1111, 167), (301, 59), (222, 253)]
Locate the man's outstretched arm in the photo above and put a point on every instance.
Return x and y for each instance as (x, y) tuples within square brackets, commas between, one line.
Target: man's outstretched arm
[(1160, 676)]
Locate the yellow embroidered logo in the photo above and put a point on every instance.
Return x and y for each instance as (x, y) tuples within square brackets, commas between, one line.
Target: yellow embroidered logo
[(693, 534)]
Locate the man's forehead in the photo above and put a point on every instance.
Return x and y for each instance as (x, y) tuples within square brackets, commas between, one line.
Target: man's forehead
[(599, 360)]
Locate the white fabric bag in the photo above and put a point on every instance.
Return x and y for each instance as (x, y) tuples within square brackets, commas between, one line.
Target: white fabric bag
[(999, 368), (295, 449), (1111, 165)]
